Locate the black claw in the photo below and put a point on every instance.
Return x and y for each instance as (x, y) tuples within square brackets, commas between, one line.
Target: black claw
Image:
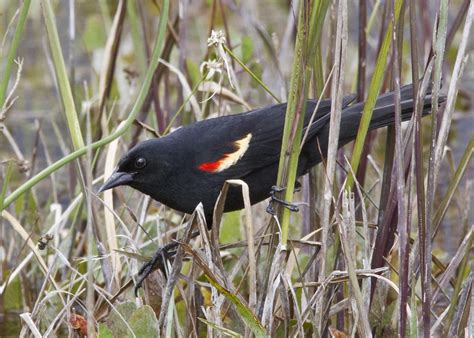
[(157, 262), (273, 198), (276, 189), (270, 209)]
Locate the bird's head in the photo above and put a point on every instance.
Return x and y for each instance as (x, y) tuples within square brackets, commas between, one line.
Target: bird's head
[(141, 168)]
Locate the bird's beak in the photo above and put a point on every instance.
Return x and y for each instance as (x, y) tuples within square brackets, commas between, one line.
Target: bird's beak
[(116, 179)]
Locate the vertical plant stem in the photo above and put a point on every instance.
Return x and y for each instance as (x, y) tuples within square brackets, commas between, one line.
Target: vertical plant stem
[(309, 29), (425, 238), (374, 90), (452, 92), (62, 76), (347, 233), (108, 62), (336, 110), (318, 14), (294, 118), (6, 182), (419, 172), (90, 229), (400, 186), (138, 40), (361, 70), (361, 83), (337, 83)]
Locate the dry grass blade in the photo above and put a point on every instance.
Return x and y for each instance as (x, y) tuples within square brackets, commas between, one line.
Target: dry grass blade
[(187, 91), (218, 282), (26, 317), (459, 324), (219, 90), (353, 264), (250, 242), (400, 187), (452, 91), (451, 270), (196, 218), (110, 233), (26, 237), (337, 94), (10, 58), (439, 139), (270, 295), (220, 329), (347, 233), (453, 185)]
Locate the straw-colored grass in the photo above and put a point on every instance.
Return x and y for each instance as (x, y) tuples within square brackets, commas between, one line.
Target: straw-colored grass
[(382, 244)]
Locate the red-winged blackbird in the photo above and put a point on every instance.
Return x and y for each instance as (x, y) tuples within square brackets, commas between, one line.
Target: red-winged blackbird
[(191, 164)]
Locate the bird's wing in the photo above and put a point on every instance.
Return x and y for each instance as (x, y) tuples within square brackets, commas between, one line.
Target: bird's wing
[(239, 144)]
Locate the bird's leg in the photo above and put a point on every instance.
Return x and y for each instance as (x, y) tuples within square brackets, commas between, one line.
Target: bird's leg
[(158, 261), (273, 199)]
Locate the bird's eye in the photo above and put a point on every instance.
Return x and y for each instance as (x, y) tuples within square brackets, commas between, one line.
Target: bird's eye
[(140, 162)]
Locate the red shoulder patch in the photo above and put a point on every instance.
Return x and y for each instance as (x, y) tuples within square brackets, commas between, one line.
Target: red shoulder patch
[(210, 166), (229, 159)]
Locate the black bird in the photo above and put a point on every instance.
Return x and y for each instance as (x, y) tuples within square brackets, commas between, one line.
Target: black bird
[(191, 164)]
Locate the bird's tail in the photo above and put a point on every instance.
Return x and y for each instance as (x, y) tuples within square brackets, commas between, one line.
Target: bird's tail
[(384, 112)]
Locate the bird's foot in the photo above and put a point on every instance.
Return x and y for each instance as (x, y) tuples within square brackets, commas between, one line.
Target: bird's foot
[(298, 186), (273, 198), (157, 262)]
